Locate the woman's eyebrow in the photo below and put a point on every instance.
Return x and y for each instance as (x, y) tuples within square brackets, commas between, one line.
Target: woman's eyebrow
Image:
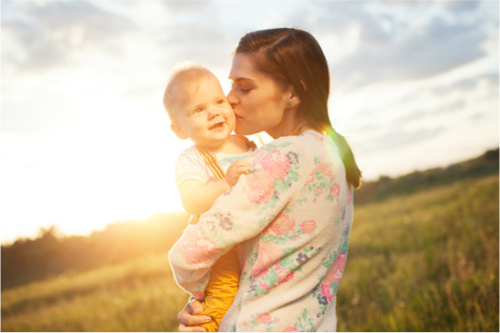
[(241, 79)]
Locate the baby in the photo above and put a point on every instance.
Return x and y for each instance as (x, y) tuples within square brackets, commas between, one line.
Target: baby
[(199, 110)]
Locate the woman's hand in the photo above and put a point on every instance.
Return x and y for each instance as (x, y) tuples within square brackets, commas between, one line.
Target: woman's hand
[(235, 170), (189, 318)]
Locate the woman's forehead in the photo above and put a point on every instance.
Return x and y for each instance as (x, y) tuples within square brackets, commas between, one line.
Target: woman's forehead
[(242, 67)]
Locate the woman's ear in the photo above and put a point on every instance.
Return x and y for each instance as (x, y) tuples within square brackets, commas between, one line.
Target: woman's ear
[(178, 131), (303, 85), (293, 99)]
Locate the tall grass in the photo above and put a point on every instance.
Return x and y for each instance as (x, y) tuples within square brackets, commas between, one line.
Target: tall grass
[(422, 262), (137, 296)]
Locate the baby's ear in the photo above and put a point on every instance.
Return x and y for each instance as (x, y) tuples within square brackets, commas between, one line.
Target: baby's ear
[(178, 131)]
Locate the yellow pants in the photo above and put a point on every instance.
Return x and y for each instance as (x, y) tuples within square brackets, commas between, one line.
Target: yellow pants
[(221, 289)]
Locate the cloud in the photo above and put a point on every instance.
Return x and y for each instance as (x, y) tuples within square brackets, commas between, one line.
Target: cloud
[(53, 34), (206, 32), (460, 6), (402, 44), (399, 138), (184, 6), (439, 49), (413, 116), (467, 84), (196, 42), (449, 99), (478, 116), (52, 113)]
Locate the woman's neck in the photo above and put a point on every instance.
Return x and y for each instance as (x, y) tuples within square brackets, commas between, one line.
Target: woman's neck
[(290, 125)]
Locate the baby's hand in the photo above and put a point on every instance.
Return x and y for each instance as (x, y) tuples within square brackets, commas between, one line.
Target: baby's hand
[(235, 170)]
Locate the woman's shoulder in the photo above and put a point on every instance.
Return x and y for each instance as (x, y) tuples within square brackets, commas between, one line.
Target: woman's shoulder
[(303, 150), (308, 141)]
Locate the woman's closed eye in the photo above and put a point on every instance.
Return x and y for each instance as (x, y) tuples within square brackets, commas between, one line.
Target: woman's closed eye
[(241, 87)]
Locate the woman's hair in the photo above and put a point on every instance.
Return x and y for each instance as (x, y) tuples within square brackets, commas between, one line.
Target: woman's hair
[(293, 56)]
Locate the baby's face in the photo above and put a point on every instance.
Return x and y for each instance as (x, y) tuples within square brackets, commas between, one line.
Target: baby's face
[(204, 114)]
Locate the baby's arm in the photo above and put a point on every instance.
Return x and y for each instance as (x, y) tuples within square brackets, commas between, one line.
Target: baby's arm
[(197, 197)]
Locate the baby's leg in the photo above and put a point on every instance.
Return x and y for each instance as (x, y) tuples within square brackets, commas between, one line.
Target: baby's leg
[(221, 289)]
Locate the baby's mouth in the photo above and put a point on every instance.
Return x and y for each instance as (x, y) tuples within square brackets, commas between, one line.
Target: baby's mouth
[(216, 125)]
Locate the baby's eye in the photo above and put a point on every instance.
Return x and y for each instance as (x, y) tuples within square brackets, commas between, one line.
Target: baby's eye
[(219, 102), (198, 110)]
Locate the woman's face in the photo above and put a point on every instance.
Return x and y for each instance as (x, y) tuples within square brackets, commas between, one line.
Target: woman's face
[(258, 102)]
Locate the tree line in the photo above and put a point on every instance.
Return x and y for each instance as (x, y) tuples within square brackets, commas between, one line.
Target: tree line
[(386, 187), (48, 255)]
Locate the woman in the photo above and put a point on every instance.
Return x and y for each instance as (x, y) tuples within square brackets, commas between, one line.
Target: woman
[(290, 217)]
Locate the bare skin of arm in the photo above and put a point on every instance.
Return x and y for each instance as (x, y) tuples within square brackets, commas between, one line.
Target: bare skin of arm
[(197, 197)]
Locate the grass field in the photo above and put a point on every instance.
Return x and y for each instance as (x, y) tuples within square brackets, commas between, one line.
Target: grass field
[(423, 262)]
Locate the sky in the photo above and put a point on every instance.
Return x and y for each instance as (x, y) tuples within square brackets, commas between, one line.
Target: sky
[(84, 139)]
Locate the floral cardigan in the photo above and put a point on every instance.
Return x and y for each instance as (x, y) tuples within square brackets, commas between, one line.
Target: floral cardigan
[(290, 219)]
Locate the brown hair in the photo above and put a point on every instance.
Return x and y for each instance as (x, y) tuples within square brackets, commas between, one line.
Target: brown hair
[(293, 56)]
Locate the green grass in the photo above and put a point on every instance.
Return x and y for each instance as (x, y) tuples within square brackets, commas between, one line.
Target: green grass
[(424, 262), (137, 296), (421, 262)]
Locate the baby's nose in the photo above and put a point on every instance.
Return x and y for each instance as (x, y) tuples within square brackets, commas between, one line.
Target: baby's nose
[(213, 113)]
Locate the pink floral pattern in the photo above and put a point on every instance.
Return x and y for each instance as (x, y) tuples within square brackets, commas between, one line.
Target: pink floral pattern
[(269, 253), (291, 220), (280, 226), (276, 163), (334, 275), (310, 179), (349, 195), (259, 187), (324, 170), (261, 319), (308, 226), (322, 181), (335, 190), (197, 254), (336, 271)]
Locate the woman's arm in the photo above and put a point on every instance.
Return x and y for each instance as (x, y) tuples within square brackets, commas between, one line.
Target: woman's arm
[(239, 214)]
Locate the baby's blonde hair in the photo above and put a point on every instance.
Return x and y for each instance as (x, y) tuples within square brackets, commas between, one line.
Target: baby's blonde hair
[(186, 71)]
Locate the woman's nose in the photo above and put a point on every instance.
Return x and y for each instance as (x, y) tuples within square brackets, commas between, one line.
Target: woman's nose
[(231, 98)]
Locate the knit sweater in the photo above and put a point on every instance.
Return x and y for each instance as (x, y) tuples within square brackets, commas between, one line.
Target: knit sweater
[(291, 218)]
